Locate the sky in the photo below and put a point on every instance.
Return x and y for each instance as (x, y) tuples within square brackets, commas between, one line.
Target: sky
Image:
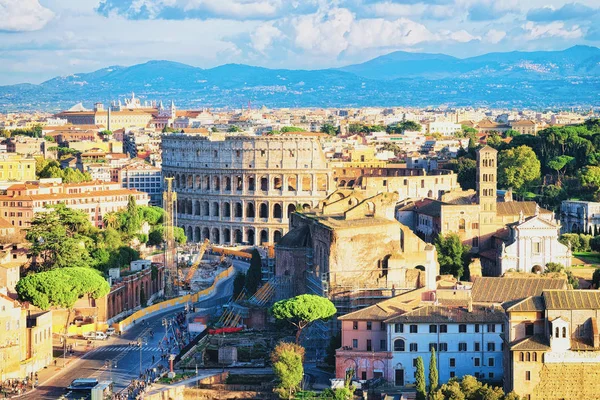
[(41, 39)]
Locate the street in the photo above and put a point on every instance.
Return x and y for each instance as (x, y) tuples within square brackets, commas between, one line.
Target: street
[(119, 358)]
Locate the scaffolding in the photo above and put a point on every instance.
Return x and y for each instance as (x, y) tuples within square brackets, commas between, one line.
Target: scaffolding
[(169, 222)]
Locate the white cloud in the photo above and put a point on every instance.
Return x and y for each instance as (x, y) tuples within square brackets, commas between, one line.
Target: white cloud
[(263, 36), (323, 32), (557, 29), (232, 8), (494, 36), (23, 15), (461, 36)]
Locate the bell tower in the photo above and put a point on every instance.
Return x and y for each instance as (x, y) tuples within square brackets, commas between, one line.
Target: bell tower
[(487, 177)]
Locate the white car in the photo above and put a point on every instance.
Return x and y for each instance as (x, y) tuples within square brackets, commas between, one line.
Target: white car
[(110, 331), (100, 336), (89, 335)]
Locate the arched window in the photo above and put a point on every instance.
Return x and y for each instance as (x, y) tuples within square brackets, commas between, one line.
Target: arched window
[(528, 356), (461, 225), (534, 356), (277, 211), (564, 332), (521, 356), (264, 183), (251, 183), (399, 345), (263, 211), (250, 210), (557, 332)]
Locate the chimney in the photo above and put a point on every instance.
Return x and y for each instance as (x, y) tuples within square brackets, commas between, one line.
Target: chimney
[(470, 305)]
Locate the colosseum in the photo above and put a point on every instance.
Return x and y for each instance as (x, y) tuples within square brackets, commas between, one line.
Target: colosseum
[(242, 189)]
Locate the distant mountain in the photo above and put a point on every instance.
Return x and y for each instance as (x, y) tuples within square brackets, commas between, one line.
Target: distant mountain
[(516, 79)]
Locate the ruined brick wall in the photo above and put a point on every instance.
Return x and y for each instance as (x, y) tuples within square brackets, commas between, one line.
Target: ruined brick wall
[(567, 381)]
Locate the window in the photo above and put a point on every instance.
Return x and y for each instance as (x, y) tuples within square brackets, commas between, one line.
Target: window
[(399, 328), (369, 325), (490, 362), (399, 345), (462, 328), (432, 328), (491, 375), (564, 331), (414, 347), (413, 329), (354, 343), (475, 225), (476, 346), (433, 346), (452, 374), (528, 356), (382, 345), (443, 346), (527, 375), (476, 375), (528, 329), (461, 225), (355, 325), (476, 362), (521, 356), (444, 328), (537, 247), (453, 362), (491, 346), (382, 326), (462, 346), (369, 346), (491, 327), (476, 328), (414, 363)]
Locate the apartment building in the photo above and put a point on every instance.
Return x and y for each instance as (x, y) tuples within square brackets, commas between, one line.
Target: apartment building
[(141, 176), (15, 167)]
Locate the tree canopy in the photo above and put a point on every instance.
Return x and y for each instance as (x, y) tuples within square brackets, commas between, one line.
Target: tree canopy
[(287, 359), (453, 255), (329, 129), (45, 168), (254, 275), (302, 310), (403, 126), (61, 287), (518, 168)]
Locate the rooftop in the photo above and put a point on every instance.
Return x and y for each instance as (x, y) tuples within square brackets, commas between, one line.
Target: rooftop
[(455, 315), (504, 289), (572, 299)]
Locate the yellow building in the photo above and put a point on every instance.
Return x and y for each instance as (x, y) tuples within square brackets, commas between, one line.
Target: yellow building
[(15, 167), (360, 158), (11, 322)]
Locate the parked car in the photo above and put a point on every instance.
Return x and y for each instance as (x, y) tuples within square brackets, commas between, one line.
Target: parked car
[(100, 336), (89, 335), (110, 331)]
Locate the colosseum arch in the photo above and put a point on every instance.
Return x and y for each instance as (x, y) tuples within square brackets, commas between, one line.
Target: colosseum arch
[(237, 236), (177, 181), (264, 183), (205, 209), (350, 183), (250, 210), (306, 183), (251, 183), (277, 182), (227, 182), (216, 236), (198, 184), (277, 213), (292, 183), (205, 234), (239, 183), (206, 180), (342, 183), (238, 211), (264, 237), (189, 207), (215, 209), (250, 236), (277, 236), (226, 210), (190, 181), (216, 183), (322, 182), (226, 235), (290, 209), (263, 210), (197, 207), (196, 234), (190, 234)]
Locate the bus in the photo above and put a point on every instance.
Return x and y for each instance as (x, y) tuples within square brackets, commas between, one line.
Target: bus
[(83, 384)]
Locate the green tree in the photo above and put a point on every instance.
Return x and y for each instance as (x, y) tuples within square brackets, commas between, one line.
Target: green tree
[(61, 287), (420, 380), (302, 310), (433, 371), (453, 255), (254, 275), (404, 126), (287, 129), (106, 133), (238, 284), (511, 133), (494, 140), (214, 129), (552, 268), (518, 168), (234, 128), (287, 359), (560, 164), (329, 129), (133, 223), (589, 177), (143, 300), (466, 173)]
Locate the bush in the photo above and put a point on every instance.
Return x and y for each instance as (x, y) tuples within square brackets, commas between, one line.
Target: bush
[(595, 243), (580, 242)]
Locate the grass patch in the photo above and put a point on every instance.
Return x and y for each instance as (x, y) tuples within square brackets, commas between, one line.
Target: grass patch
[(178, 377), (589, 257)]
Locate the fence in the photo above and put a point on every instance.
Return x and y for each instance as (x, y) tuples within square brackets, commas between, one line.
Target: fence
[(164, 305)]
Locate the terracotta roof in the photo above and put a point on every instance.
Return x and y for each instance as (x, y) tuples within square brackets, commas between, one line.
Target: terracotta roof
[(533, 303), (501, 290), (429, 207), (67, 196), (4, 224), (515, 207), (385, 309), (532, 343), (455, 315), (572, 299), (524, 122)]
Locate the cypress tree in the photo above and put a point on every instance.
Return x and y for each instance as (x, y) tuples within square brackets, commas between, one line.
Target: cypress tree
[(254, 275), (420, 380), (433, 372)]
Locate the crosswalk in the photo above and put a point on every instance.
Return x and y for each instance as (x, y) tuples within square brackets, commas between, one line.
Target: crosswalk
[(120, 348)]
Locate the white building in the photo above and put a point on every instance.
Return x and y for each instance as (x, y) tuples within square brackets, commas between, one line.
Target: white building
[(443, 127), (533, 242), (468, 341)]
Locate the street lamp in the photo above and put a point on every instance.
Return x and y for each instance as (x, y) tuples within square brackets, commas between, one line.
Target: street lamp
[(141, 342)]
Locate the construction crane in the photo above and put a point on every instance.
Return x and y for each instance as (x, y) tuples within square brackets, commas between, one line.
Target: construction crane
[(186, 282)]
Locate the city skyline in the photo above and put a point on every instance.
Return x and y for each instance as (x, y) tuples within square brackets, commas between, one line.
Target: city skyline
[(46, 38)]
